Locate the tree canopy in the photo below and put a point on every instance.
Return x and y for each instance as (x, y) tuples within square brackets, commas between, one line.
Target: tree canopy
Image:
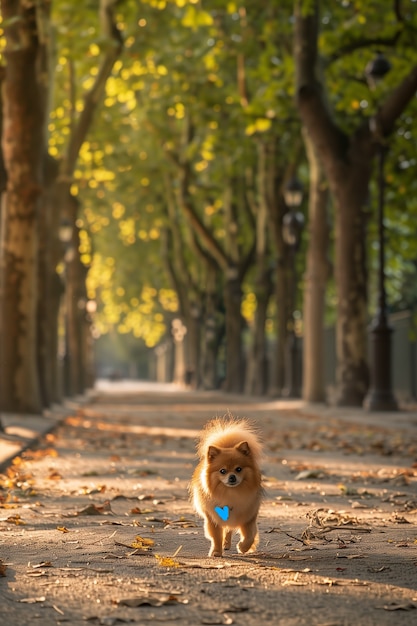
[(179, 178)]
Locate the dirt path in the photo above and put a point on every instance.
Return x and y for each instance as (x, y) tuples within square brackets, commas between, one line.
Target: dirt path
[(96, 527)]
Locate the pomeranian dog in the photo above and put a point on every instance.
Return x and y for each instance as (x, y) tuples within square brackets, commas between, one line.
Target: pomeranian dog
[(226, 486)]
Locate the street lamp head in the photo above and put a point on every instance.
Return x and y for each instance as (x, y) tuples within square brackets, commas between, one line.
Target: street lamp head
[(293, 193), (376, 69), (292, 227)]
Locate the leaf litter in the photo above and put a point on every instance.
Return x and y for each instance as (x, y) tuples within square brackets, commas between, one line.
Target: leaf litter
[(323, 523)]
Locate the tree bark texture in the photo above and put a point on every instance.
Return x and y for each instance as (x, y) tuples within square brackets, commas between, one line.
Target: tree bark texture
[(23, 151), (316, 276), (235, 366), (50, 289), (75, 301), (277, 209)]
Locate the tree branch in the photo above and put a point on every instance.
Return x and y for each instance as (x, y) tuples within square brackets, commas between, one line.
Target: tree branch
[(397, 102), (93, 97), (312, 105), (359, 44)]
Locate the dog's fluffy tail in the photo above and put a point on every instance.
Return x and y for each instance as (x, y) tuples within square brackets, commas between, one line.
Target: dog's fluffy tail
[(228, 431)]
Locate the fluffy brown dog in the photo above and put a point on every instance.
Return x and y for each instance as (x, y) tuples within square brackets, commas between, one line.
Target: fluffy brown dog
[(226, 486)]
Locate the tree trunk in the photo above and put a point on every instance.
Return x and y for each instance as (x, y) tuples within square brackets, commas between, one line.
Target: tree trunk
[(281, 295), (317, 273), (76, 299), (212, 332), (257, 367), (351, 281), (257, 363), (50, 292), (235, 368), (23, 152)]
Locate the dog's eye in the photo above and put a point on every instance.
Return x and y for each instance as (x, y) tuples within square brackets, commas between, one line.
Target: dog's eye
[(238, 469), (223, 471)]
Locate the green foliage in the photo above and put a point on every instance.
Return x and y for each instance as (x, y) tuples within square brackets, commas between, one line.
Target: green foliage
[(180, 67)]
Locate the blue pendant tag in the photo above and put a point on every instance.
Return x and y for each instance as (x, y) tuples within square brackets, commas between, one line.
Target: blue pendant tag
[(222, 512)]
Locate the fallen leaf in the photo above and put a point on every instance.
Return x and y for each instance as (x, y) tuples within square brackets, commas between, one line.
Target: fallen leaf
[(167, 561), (54, 475), (217, 619), (358, 505), (310, 473), (151, 601), (94, 509), (142, 543), (399, 519), (394, 606), (147, 496), (350, 556), (347, 491), (62, 529), (377, 570), (40, 454), (15, 519), (236, 609)]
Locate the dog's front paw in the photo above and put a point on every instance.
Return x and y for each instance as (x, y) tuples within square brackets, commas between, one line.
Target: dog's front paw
[(214, 552)]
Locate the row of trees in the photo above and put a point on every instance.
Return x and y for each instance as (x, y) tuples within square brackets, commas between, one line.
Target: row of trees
[(202, 114)]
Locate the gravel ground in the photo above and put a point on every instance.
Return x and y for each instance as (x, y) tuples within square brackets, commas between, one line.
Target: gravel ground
[(96, 526)]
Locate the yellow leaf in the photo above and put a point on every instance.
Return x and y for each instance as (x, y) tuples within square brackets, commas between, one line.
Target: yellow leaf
[(166, 561), (62, 529), (142, 543), (94, 50), (262, 124), (16, 519), (194, 17), (250, 130)]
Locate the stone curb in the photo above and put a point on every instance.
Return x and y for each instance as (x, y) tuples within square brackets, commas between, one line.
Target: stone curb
[(23, 431)]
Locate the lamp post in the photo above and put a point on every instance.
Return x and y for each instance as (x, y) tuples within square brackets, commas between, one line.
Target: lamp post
[(292, 227), (380, 396)]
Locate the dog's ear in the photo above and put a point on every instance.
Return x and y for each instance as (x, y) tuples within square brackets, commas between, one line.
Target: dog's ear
[(243, 447), (212, 452)]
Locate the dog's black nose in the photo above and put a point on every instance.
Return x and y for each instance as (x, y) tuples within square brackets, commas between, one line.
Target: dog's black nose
[(232, 479)]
